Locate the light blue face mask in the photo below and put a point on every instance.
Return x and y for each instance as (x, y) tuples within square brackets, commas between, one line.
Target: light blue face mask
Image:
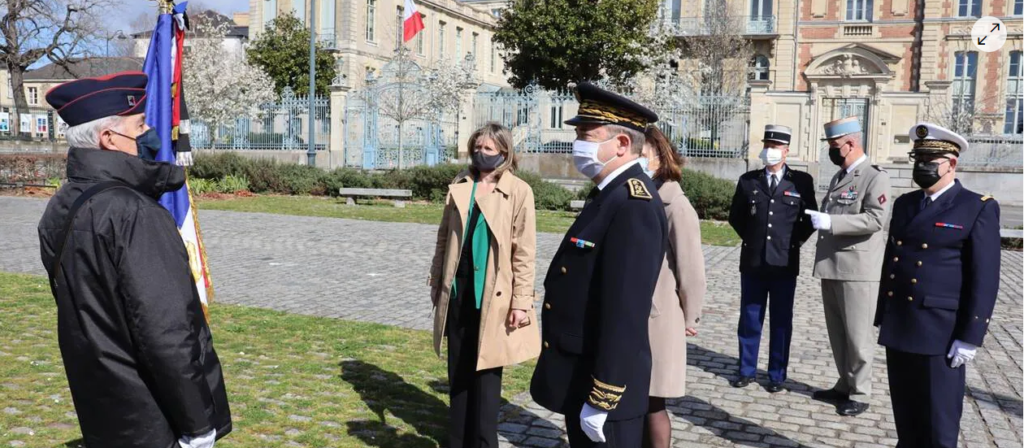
[(643, 165)]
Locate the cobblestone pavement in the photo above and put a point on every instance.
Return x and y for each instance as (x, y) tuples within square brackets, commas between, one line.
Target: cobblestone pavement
[(371, 271)]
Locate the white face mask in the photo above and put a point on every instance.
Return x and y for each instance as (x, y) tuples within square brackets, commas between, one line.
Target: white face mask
[(645, 165), (584, 156), (771, 156)]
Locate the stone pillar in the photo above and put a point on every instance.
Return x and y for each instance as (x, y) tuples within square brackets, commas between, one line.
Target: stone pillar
[(339, 98), (938, 95), (760, 115), (466, 124)]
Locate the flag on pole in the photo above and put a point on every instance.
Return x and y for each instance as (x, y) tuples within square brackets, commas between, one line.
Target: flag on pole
[(412, 21), (164, 109)]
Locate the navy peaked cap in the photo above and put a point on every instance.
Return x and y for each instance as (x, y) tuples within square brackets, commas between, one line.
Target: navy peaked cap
[(599, 106), (87, 99)]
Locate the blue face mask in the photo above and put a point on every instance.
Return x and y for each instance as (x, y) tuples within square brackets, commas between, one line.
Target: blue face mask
[(644, 164), (147, 144)]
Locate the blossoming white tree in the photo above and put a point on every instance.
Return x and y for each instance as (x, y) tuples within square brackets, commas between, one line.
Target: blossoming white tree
[(404, 91), (220, 84), (695, 72)]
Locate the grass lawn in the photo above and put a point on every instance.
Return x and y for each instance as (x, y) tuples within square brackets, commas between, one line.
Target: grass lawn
[(715, 234), (313, 381)]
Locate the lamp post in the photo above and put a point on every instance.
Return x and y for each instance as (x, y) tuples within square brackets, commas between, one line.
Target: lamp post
[(118, 34), (311, 152)]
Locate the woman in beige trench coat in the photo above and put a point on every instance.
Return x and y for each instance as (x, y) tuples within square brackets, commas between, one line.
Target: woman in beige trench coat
[(481, 283), (679, 293)]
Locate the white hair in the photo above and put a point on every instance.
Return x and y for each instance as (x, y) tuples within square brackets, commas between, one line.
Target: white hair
[(856, 138), (87, 135)]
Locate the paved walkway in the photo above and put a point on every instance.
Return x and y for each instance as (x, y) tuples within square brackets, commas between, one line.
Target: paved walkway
[(376, 272)]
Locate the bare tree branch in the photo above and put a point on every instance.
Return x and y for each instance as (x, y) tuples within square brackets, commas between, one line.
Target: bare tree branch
[(55, 29)]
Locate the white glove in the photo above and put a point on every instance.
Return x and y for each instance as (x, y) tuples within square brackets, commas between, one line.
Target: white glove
[(183, 158), (592, 422), (203, 441), (960, 353), (820, 221)]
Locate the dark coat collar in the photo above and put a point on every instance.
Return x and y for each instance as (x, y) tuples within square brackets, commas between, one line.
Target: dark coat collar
[(150, 178), (631, 172)]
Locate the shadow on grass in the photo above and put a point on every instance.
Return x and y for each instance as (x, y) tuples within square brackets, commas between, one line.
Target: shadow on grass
[(387, 393), (77, 443)]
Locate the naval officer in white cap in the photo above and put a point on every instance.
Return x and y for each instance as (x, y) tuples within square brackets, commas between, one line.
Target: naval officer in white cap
[(938, 290)]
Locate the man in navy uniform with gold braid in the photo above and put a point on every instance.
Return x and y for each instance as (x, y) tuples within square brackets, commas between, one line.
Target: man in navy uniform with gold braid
[(595, 365), (938, 290)]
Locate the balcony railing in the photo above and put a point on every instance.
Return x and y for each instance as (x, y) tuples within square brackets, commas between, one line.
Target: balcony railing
[(704, 26), (858, 30), (327, 39)]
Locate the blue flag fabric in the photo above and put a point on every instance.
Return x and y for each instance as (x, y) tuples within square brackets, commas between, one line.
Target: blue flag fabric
[(159, 104)]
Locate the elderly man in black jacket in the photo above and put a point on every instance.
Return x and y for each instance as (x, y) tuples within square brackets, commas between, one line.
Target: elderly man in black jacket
[(136, 346)]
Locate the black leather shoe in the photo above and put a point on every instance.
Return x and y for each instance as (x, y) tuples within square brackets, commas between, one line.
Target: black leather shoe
[(742, 381), (829, 395), (850, 408), (773, 387)]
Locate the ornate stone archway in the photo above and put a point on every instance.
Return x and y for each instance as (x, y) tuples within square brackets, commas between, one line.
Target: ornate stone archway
[(854, 70), (849, 81)]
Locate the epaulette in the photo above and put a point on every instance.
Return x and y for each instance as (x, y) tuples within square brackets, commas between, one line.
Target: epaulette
[(638, 190), (986, 197), (879, 169)]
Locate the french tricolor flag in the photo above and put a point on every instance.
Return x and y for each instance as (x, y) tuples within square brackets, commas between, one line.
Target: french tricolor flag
[(412, 21), (164, 113)]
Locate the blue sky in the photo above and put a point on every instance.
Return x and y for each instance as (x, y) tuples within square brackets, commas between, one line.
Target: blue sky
[(133, 8)]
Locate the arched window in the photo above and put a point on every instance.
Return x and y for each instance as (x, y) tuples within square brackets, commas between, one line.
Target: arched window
[(759, 68)]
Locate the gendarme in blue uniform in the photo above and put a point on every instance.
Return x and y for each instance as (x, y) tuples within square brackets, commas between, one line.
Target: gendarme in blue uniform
[(768, 215)]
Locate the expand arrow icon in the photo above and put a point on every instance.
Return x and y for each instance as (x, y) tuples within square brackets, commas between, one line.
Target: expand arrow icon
[(981, 40)]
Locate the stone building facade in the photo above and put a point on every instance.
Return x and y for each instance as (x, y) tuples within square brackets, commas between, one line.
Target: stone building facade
[(365, 33), (890, 62)]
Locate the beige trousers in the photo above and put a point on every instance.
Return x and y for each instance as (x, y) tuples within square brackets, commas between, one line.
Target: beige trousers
[(849, 316)]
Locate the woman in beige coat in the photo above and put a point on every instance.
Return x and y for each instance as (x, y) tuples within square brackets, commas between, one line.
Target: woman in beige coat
[(679, 294), (482, 284)]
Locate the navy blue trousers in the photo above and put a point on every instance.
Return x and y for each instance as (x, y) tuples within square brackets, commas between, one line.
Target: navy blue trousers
[(756, 288), (927, 399)]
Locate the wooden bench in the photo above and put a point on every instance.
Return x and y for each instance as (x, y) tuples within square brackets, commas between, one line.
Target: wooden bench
[(576, 204), (351, 193)]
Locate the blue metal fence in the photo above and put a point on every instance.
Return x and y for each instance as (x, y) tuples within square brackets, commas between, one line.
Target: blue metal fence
[(283, 125), (709, 126), (372, 138)]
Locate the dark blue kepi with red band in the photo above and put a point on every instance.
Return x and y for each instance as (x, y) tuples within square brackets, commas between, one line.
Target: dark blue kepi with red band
[(88, 99)]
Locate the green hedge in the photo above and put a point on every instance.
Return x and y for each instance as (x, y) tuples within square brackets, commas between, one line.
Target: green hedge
[(32, 168), (709, 195), (426, 183)]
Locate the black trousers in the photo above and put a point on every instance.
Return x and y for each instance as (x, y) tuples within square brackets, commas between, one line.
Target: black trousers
[(619, 434), (475, 396), (927, 399)]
